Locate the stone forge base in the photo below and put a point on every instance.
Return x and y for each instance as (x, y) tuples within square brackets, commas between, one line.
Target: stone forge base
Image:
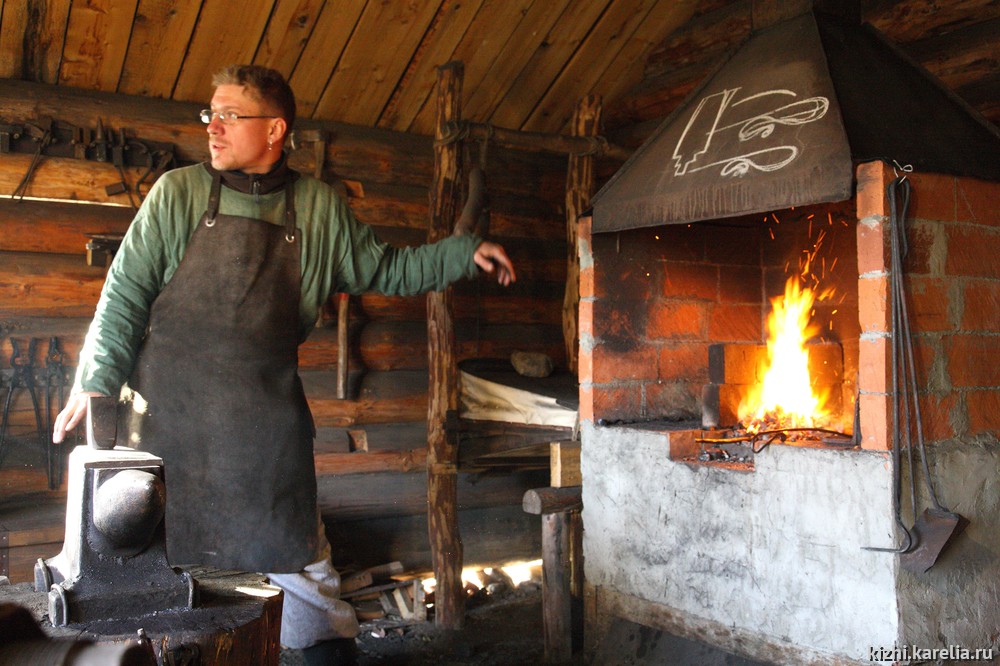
[(237, 622)]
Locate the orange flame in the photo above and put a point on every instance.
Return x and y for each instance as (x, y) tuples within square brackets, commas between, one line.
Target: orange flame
[(785, 398)]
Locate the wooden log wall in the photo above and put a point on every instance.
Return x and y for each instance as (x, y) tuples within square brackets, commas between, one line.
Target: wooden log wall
[(48, 290)]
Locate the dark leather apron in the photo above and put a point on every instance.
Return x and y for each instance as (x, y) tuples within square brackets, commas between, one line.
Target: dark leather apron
[(224, 405)]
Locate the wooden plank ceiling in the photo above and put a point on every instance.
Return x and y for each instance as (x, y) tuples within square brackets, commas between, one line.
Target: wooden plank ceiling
[(527, 62)]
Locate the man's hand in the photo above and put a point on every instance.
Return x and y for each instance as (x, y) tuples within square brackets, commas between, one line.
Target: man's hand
[(74, 411), (493, 260)]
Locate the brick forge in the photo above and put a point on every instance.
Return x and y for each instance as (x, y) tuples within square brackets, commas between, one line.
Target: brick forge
[(771, 563), (654, 302)]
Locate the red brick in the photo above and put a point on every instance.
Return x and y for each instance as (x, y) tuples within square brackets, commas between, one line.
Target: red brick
[(616, 366), (585, 366), (737, 363), (735, 323), (677, 320), (973, 251), (872, 179), (984, 412), (873, 304), (977, 201), (972, 361), (618, 402), (928, 304), (586, 403), (875, 422), (925, 246), (981, 306), (586, 317), (673, 400), (619, 320), (930, 372), (690, 281), (873, 247), (932, 197), (584, 233), (740, 284), (874, 365), (936, 412), (632, 281), (587, 282), (687, 361)]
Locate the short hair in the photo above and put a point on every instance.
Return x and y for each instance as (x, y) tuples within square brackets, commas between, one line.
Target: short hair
[(263, 84)]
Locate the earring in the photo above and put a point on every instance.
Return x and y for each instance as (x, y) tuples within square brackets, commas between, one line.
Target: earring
[(270, 144)]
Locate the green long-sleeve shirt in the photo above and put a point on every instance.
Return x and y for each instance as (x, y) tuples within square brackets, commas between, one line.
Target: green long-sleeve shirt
[(338, 254)]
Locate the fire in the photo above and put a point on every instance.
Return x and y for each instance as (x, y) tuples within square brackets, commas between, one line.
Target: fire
[(785, 398)]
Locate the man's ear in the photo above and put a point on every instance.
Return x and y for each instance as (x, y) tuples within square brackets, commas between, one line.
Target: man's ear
[(279, 128)]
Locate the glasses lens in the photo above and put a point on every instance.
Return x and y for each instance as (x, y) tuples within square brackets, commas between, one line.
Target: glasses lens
[(206, 116)]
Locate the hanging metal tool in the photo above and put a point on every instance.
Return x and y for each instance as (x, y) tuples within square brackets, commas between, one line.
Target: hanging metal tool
[(55, 376), (23, 377), (118, 149), (41, 134), (936, 526)]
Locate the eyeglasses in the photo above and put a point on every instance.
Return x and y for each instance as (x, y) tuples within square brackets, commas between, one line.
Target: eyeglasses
[(227, 117)]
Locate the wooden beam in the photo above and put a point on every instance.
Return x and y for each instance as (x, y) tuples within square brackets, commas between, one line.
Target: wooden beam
[(542, 501), (542, 142), (442, 453), (579, 188), (366, 463)]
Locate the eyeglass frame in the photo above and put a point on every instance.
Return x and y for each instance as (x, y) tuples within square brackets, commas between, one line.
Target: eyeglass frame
[(225, 117)]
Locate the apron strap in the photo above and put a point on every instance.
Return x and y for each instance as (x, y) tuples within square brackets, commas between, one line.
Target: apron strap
[(212, 211)]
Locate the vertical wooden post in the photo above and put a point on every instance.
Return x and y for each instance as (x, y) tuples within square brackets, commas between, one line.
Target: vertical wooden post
[(343, 343), (579, 189), (442, 454)]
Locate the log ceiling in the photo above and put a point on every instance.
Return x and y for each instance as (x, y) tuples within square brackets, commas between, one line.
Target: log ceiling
[(527, 62)]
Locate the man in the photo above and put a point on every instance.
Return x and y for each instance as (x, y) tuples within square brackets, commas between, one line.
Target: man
[(219, 278)]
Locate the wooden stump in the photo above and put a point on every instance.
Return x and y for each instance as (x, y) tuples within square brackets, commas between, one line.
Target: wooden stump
[(236, 622), (561, 576)]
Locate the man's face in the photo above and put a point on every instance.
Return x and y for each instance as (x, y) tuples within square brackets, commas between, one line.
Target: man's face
[(242, 145)]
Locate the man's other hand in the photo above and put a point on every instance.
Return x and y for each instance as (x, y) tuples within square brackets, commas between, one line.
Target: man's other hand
[(74, 411), (493, 260)]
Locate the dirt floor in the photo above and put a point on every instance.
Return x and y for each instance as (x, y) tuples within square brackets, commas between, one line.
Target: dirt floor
[(502, 628)]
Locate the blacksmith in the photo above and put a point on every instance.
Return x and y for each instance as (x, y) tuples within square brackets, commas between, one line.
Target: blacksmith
[(218, 280)]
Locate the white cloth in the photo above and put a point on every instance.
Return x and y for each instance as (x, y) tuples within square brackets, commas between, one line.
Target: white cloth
[(313, 610)]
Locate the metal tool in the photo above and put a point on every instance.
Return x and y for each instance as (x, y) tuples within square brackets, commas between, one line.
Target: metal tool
[(55, 376), (933, 529), (41, 134), (937, 526), (23, 377)]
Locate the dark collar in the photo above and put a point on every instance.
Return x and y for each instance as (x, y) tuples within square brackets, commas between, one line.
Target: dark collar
[(272, 181)]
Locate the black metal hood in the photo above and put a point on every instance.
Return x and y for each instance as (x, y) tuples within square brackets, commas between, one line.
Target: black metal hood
[(783, 122)]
